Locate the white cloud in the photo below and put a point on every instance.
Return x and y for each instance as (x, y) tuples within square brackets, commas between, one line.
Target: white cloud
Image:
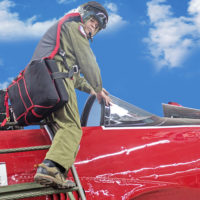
[(12, 28), (115, 21), (5, 84), (194, 10), (112, 7), (171, 39)]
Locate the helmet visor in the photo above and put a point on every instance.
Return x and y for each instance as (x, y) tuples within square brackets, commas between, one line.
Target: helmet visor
[(102, 19), (99, 16)]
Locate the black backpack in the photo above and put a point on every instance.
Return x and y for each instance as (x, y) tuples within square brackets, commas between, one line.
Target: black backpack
[(36, 93)]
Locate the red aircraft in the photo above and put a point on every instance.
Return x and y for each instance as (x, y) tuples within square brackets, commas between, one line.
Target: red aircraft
[(125, 153)]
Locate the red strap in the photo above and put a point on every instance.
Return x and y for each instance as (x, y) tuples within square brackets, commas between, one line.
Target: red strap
[(55, 197), (7, 110), (62, 196), (66, 17)]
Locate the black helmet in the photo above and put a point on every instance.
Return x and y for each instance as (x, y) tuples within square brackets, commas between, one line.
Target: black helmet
[(96, 10)]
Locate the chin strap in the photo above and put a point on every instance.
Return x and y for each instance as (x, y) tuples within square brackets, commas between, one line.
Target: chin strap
[(90, 37)]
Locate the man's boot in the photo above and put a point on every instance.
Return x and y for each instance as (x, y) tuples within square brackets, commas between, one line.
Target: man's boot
[(48, 174)]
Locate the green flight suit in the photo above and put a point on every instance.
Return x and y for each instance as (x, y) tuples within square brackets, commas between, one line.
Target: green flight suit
[(66, 120)]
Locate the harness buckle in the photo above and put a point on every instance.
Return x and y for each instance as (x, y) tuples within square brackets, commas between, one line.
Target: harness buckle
[(62, 53), (75, 68)]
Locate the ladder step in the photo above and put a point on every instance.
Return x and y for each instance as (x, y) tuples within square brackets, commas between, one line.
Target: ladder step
[(25, 190)]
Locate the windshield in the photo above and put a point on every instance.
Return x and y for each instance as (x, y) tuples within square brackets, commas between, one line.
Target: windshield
[(123, 114)]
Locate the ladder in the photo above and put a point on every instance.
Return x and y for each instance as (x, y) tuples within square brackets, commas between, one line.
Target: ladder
[(26, 190)]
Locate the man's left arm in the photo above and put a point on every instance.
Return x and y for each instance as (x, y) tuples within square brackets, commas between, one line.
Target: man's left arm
[(82, 85)]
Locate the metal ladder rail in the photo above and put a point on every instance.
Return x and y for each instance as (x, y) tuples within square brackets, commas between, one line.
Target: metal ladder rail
[(28, 190), (25, 190), (8, 192), (73, 169)]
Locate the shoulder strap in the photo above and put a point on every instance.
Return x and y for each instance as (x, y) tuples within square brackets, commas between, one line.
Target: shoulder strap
[(68, 17), (58, 75)]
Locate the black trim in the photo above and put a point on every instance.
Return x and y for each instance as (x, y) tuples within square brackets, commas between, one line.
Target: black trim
[(87, 108), (105, 115)]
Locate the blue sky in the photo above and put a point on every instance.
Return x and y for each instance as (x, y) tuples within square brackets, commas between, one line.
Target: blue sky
[(148, 55)]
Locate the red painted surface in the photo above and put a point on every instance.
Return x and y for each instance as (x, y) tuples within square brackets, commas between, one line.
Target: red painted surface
[(147, 163), (21, 166)]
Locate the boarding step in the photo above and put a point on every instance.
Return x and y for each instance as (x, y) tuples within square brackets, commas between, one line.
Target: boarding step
[(26, 190)]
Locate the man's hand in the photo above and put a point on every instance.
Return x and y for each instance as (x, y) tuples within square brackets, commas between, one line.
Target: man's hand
[(103, 95), (105, 91)]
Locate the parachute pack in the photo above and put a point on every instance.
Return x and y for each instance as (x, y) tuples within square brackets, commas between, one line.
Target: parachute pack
[(35, 94)]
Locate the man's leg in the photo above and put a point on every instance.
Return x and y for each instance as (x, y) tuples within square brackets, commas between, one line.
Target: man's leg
[(63, 150)]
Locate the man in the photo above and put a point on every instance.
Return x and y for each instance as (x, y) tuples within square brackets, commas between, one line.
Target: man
[(71, 34)]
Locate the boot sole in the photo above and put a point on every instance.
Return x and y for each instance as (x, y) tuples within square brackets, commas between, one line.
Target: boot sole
[(49, 181)]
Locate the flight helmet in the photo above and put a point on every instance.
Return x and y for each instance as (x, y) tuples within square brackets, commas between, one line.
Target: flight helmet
[(96, 10)]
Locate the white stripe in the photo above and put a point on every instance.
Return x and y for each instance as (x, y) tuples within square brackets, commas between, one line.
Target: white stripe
[(125, 151), (150, 127)]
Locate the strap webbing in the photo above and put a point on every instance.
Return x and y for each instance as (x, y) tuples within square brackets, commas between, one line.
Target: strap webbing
[(64, 56), (57, 75)]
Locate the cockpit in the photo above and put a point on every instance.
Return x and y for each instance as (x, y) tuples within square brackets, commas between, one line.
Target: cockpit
[(124, 114)]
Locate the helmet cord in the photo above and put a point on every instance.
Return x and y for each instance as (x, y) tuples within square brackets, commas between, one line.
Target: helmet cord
[(90, 37)]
